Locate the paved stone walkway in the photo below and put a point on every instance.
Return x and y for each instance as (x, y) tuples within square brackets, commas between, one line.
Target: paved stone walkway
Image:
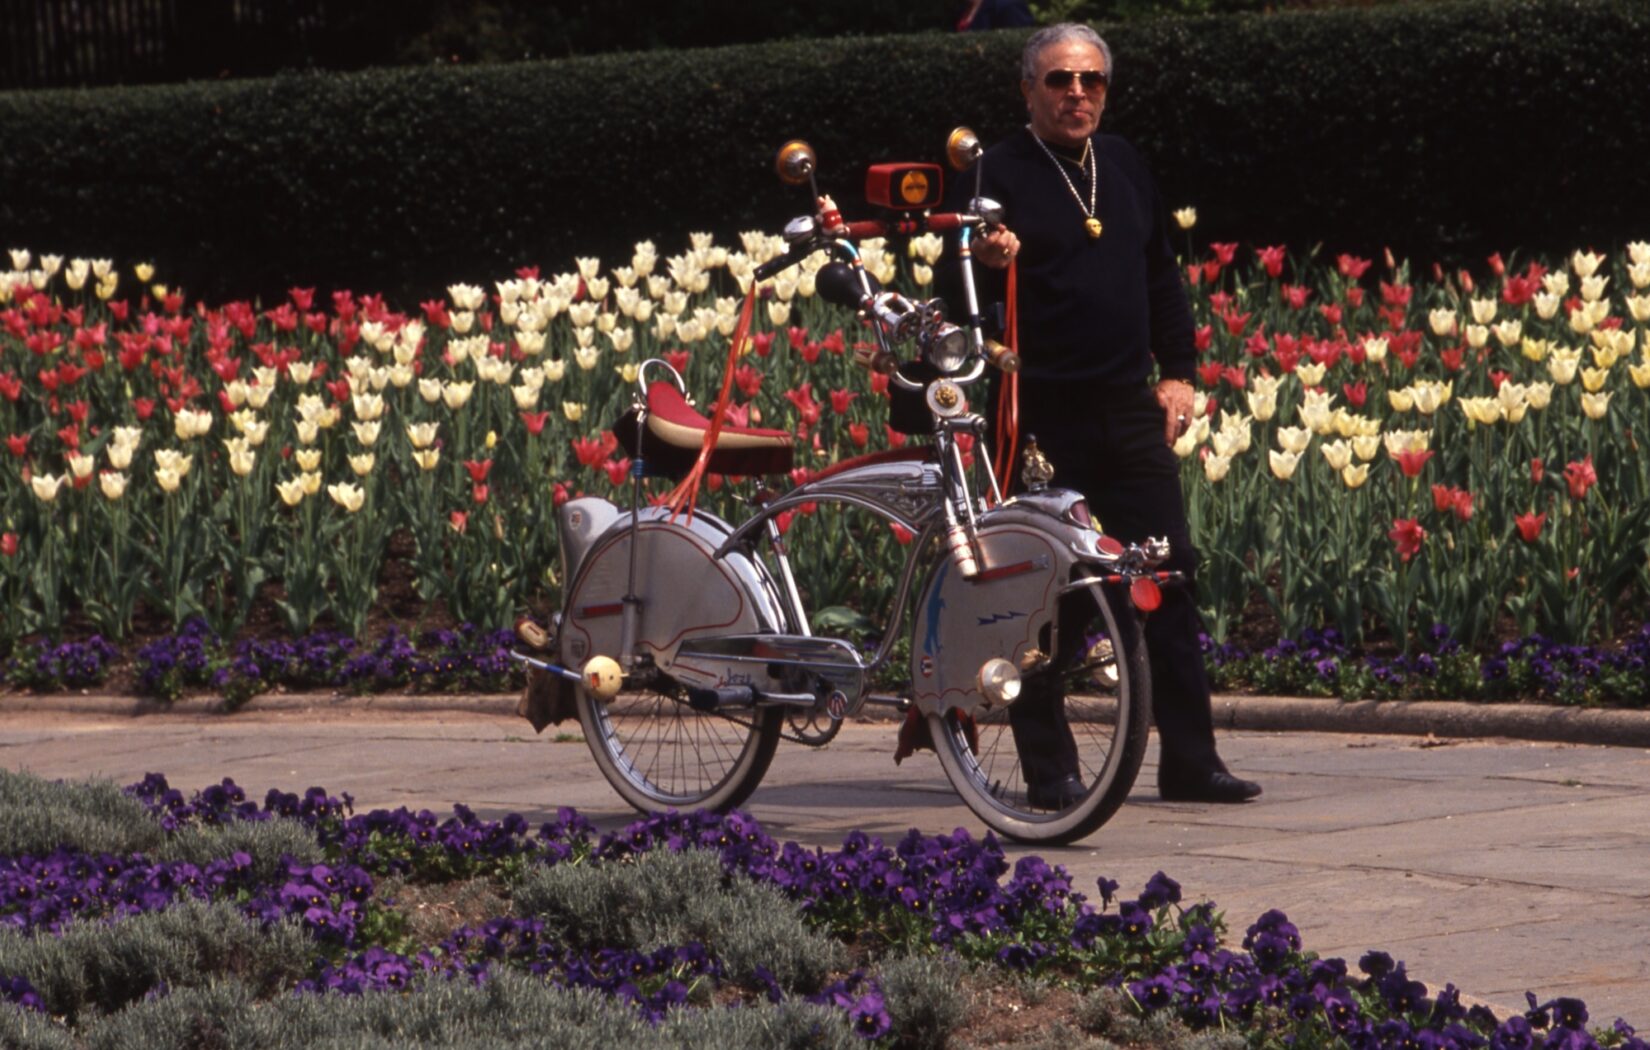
[(1498, 865)]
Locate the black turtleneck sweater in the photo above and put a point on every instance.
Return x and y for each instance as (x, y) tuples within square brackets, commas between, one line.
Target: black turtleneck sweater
[(1094, 311)]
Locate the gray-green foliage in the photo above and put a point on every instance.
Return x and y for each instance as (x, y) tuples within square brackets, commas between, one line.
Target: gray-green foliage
[(269, 843), (43, 815), (22, 1029), (507, 1011), (925, 999), (668, 898), (99, 966), (1109, 1012)]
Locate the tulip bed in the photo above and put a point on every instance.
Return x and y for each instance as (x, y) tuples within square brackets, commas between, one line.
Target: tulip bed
[(147, 918), (1376, 456)]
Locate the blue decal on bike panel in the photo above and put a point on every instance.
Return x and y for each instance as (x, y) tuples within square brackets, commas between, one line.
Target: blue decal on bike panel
[(936, 602), (987, 621)]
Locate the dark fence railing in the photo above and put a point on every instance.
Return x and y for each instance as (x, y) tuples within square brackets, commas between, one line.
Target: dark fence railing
[(85, 43)]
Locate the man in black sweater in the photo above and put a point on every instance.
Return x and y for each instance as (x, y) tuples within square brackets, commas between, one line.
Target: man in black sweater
[(1099, 301)]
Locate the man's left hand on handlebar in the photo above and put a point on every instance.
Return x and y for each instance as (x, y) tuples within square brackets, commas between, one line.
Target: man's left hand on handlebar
[(997, 248)]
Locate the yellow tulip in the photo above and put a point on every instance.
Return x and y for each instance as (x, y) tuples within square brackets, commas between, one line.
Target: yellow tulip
[(585, 357), (422, 435), (1354, 476), (1540, 394), (308, 430), (80, 465), (430, 390), (255, 432), (1294, 439), (1509, 332), (1556, 283), (554, 370), (1562, 365), (1483, 311), (1477, 336), (1442, 321), (628, 371), (1595, 405), (350, 497), (1406, 441), (1640, 374), (1586, 263), (113, 484), (427, 458), (366, 433), (1375, 350), (454, 395), (1638, 251), (169, 479), (1593, 379), (1365, 446), (46, 486), (1283, 463), (1337, 453), (1216, 467), (1185, 218), (173, 460), (1639, 273), (362, 464), (1401, 400), (1593, 286), (1484, 410), (367, 406), (573, 411), (311, 481), (1546, 305), (144, 272), (291, 491), (1312, 374), (1639, 307)]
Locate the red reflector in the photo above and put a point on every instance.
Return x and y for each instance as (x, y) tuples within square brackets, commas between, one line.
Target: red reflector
[(1145, 593), (1109, 545)]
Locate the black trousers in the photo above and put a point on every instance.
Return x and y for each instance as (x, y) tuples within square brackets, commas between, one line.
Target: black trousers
[(1107, 443)]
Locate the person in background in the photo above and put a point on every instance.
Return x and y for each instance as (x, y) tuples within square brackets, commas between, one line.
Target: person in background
[(1101, 308), (995, 14)]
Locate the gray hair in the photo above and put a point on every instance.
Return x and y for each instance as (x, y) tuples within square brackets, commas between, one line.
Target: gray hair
[(1048, 36)]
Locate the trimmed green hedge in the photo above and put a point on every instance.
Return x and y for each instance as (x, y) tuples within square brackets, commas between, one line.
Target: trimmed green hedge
[(1443, 130)]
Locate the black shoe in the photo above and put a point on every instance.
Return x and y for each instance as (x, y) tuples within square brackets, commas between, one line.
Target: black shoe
[(1060, 794), (1216, 786)]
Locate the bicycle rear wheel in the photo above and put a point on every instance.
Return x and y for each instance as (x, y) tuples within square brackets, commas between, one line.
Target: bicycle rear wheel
[(659, 752), (1101, 666)]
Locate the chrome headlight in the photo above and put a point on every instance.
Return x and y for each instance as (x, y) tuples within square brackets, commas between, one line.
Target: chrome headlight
[(947, 348)]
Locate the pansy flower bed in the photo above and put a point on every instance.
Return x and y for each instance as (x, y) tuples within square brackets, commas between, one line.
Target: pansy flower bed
[(1375, 449), (675, 928)]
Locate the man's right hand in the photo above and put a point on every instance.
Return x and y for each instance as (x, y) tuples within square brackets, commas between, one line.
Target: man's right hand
[(997, 248)]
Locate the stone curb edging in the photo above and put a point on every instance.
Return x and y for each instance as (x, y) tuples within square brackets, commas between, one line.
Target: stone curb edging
[(1443, 718)]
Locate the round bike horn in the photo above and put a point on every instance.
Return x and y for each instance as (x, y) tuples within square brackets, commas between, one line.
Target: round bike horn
[(602, 677), (795, 163), (962, 148)]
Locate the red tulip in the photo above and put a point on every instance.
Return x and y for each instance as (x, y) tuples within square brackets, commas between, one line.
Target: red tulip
[(859, 433), (1411, 462), (1356, 393), (18, 444), (479, 493), (534, 422), (1272, 258), (1443, 497), (747, 379), (1580, 476), (459, 520), (478, 469), (902, 535), (1202, 337), (617, 470), (840, 400), (1537, 472), (1224, 253), (8, 544), (1408, 535), (588, 451), (1350, 266), (1529, 525), (678, 359)]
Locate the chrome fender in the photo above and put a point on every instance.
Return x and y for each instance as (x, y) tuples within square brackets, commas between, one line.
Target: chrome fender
[(1005, 611), (686, 590)]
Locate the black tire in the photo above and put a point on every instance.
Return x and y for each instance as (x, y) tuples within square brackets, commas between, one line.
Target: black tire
[(1109, 717), (660, 753)]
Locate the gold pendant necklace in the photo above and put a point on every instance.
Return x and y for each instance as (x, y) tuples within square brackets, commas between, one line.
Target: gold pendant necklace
[(1091, 217)]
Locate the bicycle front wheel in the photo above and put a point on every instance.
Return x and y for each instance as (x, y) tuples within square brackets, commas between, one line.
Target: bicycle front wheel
[(1102, 693), (659, 752)]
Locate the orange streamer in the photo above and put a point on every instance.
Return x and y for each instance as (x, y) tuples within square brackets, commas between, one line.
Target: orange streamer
[(686, 492), (1007, 430)]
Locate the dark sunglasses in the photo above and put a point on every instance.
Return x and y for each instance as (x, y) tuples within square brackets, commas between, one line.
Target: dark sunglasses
[(1060, 79)]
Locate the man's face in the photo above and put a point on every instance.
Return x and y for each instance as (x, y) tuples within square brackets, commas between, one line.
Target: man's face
[(1069, 114)]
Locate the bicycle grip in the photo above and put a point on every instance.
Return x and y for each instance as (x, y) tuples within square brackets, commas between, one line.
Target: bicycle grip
[(1001, 356)]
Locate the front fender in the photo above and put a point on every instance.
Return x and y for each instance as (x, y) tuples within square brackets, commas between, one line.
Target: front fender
[(1007, 610)]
